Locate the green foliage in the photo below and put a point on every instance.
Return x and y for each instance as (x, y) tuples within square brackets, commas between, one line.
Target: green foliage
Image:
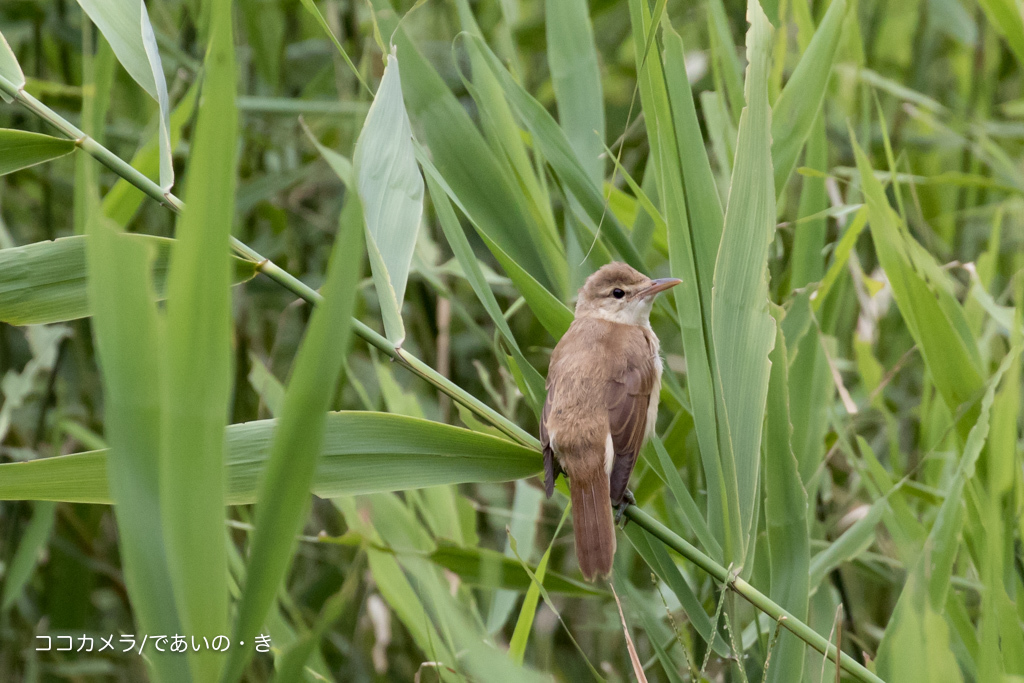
[(20, 149), (129, 342), (742, 332), (785, 511), (46, 282), (10, 69), (837, 184), (419, 453), (391, 189), (284, 487), (126, 26), (196, 345)]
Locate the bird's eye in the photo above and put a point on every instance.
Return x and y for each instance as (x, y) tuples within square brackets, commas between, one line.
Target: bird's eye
[(618, 293)]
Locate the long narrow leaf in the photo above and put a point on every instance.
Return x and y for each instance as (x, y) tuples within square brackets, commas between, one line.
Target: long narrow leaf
[(785, 514), (704, 210), (33, 540), (124, 199), (687, 505), (556, 149), (471, 267), (284, 489), (742, 329), (809, 239), (127, 330), (554, 315), (474, 565), (464, 160), (728, 69), (361, 453), (576, 78), (197, 362), (723, 500), (933, 315), (125, 24), (21, 149), (391, 189), (526, 510), (46, 282), (801, 100), (1006, 17), (503, 134), (944, 536), (9, 68), (661, 563)]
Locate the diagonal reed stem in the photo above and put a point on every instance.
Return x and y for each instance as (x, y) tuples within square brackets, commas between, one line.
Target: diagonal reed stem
[(750, 594), (264, 265), (418, 367)]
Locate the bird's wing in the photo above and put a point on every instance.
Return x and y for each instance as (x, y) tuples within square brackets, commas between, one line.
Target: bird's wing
[(551, 467), (628, 397)]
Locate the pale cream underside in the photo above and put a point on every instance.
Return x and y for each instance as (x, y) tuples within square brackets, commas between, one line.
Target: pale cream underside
[(609, 454), (632, 312), (652, 405)]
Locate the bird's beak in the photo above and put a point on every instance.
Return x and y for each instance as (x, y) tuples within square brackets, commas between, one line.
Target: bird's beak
[(659, 285)]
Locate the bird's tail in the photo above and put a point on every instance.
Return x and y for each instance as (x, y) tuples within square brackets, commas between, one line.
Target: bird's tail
[(592, 522)]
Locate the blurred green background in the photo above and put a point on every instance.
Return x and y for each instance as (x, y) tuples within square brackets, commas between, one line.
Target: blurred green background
[(838, 184)]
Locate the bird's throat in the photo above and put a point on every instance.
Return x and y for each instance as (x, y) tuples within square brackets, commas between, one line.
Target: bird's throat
[(635, 312)]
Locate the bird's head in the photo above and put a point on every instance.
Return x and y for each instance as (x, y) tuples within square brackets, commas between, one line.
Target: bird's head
[(621, 294)]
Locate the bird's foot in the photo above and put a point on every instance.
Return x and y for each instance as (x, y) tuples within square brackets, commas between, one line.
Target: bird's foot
[(620, 508)]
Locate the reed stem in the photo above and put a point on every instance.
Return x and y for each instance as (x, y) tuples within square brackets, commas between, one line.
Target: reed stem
[(750, 594), (265, 265)]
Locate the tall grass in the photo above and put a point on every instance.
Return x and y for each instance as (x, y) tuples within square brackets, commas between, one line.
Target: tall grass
[(837, 460)]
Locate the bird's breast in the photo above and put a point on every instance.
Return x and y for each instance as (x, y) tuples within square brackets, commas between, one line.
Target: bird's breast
[(652, 402)]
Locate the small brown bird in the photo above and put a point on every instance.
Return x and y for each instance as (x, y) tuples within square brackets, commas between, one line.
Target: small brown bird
[(602, 403)]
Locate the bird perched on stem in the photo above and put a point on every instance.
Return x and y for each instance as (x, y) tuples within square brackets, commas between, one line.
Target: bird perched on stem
[(602, 403)]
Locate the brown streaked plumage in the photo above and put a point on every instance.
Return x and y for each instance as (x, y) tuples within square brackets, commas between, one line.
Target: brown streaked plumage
[(602, 402)]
